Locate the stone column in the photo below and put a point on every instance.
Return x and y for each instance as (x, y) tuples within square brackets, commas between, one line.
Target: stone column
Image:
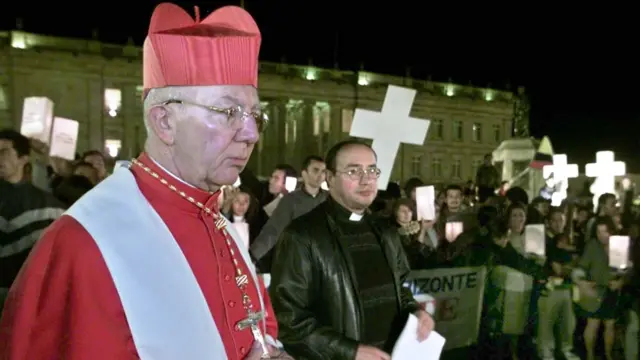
[(130, 118), (306, 138), (279, 145), (335, 130), (96, 114)]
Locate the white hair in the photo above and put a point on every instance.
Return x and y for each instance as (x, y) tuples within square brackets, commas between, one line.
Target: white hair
[(160, 95)]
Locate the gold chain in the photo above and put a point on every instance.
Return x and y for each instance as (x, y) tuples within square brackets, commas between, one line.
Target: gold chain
[(242, 280)]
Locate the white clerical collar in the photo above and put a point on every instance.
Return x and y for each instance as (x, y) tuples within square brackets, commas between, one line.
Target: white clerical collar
[(355, 217), (238, 219), (169, 172)]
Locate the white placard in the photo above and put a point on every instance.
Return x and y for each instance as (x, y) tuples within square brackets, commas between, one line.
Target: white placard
[(619, 252), (452, 230), (37, 118), (389, 128), (290, 183), (425, 203), (64, 138), (534, 239), (243, 230), (409, 348)]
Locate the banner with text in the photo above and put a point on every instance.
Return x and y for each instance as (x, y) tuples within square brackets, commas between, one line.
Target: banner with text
[(458, 294)]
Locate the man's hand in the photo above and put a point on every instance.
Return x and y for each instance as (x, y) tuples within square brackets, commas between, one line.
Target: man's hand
[(274, 353), (371, 353), (425, 324)]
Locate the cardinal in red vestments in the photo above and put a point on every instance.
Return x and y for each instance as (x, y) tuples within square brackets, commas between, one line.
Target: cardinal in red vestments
[(203, 118)]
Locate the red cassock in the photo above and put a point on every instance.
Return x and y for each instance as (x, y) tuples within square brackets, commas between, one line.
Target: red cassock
[(64, 304)]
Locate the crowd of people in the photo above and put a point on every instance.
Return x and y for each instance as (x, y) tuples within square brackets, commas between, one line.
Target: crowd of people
[(576, 242)]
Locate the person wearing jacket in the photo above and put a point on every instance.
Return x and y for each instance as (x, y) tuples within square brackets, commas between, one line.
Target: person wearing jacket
[(337, 279)]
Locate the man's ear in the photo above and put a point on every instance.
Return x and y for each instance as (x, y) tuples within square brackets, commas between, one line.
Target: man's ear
[(23, 160), (161, 124), (329, 178)]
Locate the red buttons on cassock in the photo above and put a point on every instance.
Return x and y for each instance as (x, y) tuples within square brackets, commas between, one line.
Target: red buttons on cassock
[(222, 253), (243, 350), (227, 278), (232, 303)]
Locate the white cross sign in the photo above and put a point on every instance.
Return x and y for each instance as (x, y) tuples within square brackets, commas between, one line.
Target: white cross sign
[(561, 172), (389, 128), (605, 170)]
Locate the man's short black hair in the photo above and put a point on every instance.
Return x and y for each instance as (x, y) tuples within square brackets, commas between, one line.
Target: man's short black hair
[(453, 187), (91, 153), (332, 154), (288, 170), (309, 159), (20, 142)]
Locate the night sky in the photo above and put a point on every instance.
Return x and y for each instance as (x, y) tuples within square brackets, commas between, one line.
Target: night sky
[(580, 71)]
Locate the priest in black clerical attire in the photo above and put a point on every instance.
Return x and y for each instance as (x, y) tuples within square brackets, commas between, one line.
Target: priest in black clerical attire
[(338, 274)]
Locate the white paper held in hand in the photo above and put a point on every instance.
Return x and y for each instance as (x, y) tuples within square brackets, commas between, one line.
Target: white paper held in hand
[(290, 183), (409, 348), (619, 252), (453, 229), (64, 138), (534, 239), (389, 128), (37, 118), (425, 203)]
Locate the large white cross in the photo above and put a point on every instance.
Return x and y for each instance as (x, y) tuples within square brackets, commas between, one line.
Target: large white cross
[(605, 170), (389, 128), (562, 172)]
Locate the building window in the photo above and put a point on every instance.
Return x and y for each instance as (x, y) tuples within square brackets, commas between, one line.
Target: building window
[(458, 131), (294, 114), (347, 120), (436, 167), (438, 130), (497, 134), (321, 118), (416, 165), (113, 147), (456, 167), (477, 132), (112, 101)]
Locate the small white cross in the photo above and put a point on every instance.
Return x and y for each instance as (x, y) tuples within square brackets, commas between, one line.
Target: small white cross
[(562, 172), (605, 170), (389, 128)]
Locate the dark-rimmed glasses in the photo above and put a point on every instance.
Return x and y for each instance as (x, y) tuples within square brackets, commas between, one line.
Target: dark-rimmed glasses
[(235, 115)]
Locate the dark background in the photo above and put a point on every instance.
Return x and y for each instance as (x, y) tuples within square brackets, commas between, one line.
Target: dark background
[(579, 66)]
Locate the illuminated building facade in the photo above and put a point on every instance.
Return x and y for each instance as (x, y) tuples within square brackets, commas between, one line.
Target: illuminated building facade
[(99, 85)]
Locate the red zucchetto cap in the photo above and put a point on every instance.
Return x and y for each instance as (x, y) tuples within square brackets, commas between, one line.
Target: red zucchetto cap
[(222, 49)]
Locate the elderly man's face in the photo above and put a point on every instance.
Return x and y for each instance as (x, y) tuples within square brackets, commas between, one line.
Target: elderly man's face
[(209, 149)]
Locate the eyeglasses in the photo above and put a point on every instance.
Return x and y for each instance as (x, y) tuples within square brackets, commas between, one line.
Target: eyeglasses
[(359, 173), (235, 115)]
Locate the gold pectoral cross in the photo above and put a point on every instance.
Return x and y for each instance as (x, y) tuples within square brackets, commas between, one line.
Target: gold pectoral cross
[(251, 322)]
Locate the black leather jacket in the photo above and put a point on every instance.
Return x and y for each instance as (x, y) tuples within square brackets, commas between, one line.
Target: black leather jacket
[(313, 289)]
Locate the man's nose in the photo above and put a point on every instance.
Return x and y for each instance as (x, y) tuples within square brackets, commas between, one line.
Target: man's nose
[(249, 132)]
